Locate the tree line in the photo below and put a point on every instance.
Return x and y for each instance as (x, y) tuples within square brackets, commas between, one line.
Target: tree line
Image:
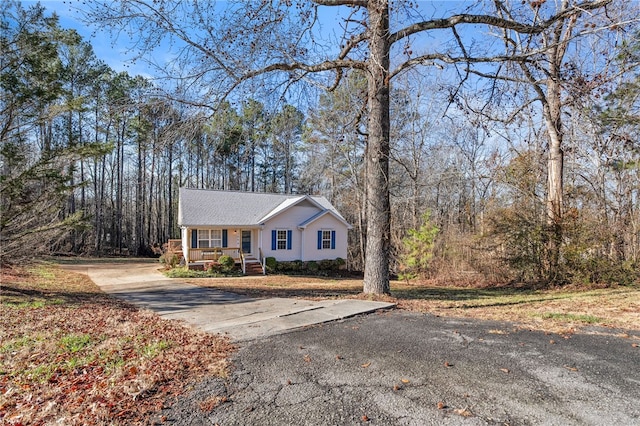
[(524, 169)]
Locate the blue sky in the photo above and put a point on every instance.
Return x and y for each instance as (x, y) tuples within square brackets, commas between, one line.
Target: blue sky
[(112, 53)]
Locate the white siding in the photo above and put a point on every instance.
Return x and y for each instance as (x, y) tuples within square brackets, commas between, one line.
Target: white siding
[(327, 222), (307, 250)]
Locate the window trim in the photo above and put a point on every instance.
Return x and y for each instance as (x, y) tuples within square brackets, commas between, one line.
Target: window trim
[(326, 242), (322, 240), (276, 239), (279, 240), (211, 240)]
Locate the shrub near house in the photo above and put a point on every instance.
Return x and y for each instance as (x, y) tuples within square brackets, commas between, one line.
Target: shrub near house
[(325, 267)]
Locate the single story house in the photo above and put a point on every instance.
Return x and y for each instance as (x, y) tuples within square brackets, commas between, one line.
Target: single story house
[(251, 226)]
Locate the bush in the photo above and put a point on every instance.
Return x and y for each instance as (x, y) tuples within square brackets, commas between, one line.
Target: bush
[(170, 259), (417, 248), (298, 267), (313, 266), (213, 267), (226, 262), (326, 265), (271, 264), (289, 266)]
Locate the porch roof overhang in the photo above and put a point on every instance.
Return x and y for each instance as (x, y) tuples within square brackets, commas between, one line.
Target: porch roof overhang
[(224, 226)]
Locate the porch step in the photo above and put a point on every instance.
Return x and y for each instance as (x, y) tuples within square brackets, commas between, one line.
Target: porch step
[(253, 267)]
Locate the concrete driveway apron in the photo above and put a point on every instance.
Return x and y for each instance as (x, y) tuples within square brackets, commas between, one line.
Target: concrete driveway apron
[(239, 317)]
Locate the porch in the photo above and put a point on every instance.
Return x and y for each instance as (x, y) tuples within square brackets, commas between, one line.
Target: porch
[(199, 257)]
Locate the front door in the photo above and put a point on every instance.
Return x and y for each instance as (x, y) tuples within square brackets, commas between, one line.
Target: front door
[(246, 241)]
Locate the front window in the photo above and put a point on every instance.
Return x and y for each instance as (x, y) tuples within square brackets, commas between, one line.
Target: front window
[(326, 239), (281, 240), (209, 238)]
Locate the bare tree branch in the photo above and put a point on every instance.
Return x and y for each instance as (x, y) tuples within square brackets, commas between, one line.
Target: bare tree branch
[(495, 21)]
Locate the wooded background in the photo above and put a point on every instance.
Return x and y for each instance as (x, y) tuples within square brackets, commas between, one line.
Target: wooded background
[(92, 159)]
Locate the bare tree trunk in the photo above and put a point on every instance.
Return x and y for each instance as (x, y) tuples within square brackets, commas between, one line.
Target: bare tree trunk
[(555, 166), (376, 276), (552, 112)]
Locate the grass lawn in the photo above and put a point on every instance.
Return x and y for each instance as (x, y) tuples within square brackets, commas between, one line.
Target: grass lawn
[(558, 310), (69, 354)]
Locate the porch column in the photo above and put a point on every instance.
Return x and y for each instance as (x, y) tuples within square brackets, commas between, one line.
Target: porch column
[(302, 244), (186, 245)]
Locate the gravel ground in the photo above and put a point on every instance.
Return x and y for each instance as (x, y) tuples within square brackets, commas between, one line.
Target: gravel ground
[(400, 368)]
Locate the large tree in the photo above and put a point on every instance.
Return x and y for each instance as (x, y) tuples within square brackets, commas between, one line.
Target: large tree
[(221, 50), (571, 60), (34, 159)]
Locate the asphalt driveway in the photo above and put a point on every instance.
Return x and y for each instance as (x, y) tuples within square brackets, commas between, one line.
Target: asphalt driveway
[(399, 368), (388, 367)]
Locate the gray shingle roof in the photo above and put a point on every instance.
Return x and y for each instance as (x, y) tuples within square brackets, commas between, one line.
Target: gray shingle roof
[(203, 207)]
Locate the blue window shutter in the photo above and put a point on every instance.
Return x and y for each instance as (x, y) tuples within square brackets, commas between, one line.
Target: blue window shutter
[(224, 238), (289, 238), (333, 240), (273, 240), (194, 238), (320, 240)]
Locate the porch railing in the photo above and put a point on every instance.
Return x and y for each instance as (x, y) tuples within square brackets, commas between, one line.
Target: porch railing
[(243, 263), (213, 254), (262, 260), (174, 245)]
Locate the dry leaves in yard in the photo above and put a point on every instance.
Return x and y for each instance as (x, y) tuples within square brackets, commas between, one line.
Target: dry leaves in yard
[(505, 370), (366, 365), (75, 356)]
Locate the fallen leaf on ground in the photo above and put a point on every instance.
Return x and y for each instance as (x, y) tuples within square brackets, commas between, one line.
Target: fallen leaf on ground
[(405, 381), (634, 345), (504, 370), (307, 358), (441, 405), (365, 418), (464, 412), (339, 357), (570, 368), (446, 364), (366, 365), (210, 403)]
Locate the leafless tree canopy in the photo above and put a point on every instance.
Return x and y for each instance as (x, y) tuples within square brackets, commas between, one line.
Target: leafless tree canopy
[(498, 117)]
